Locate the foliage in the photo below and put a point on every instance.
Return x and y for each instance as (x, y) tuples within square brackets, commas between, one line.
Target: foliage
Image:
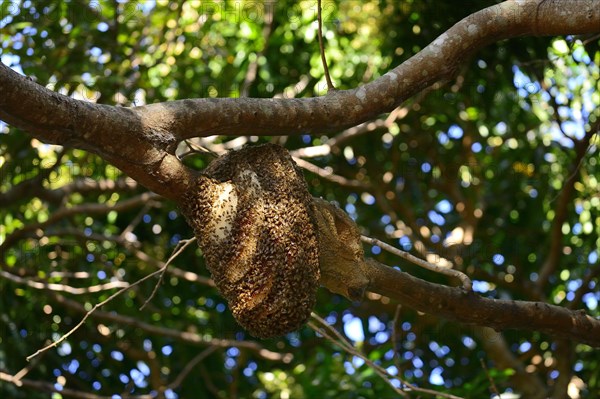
[(496, 171)]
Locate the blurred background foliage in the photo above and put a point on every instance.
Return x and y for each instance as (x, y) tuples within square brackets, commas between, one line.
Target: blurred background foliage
[(496, 171)]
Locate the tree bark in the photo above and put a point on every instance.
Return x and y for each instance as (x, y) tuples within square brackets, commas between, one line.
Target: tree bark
[(470, 308), (142, 141)]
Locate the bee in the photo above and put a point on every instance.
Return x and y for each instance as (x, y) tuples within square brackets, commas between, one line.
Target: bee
[(251, 213)]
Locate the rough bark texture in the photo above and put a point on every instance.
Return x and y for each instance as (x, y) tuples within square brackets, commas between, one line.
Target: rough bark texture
[(350, 276), (470, 308), (142, 140)]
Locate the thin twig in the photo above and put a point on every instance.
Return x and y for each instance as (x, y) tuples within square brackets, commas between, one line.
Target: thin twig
[(92, 310), (209, 384), (132, 246), (179, 248), (183, 274), (41, 285), (347, 347), (322, 48), (332, 177), (136, 220), (564, 198), (16, 379), (591, 39), (190, 366), (466, 281), (493, 387), (575, 171), (584, 288), (180, 334), (252, 71), (220, 148), (396, 337), (342, 342), (87, 208), (47, 387), (197, 149)]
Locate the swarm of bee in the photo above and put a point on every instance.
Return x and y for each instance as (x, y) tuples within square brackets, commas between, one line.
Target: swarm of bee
[(251, 213)]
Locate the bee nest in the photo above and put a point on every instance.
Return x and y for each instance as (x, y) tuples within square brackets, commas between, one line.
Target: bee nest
[(251, 212)]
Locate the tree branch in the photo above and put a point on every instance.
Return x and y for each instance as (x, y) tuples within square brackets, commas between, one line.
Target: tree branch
[(528, 384), (451, 271), (183, 336), (33, 187), (345, 108), (88, 208), (345, 271), (142, 140), (191, 366), (330, 86), (116, 134), (42, 285), (552, 260), (470, 308), (64, 392), (335, 337)]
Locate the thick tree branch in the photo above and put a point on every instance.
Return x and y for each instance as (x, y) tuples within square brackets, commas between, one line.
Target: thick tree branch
[(345, 271), (117, 134), (142, 140), (470, 308), (345, 108)]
